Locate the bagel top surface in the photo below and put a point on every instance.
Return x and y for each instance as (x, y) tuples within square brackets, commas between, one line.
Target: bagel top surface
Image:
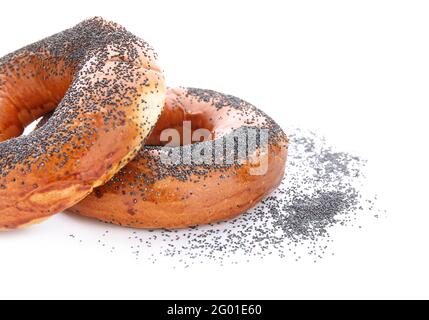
[(107, 93)]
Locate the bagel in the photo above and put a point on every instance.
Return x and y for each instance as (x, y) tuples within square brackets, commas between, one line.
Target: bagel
[(150, 193), (107, 93)]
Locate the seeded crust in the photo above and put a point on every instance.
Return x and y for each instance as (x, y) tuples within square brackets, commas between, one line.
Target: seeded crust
[(107, 93), (148, 193)]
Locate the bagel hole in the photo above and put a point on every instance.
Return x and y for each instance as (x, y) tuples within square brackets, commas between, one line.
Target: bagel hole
[(32, 126), (18, 131), (179, 128)]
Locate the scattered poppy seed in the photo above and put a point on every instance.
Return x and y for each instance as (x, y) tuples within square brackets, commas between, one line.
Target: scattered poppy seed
[(322, 189)]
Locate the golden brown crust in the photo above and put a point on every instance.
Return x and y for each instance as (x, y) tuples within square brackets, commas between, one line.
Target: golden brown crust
[(107, 92), (148, 193)]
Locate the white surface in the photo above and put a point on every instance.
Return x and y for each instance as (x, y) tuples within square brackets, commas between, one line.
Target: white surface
[(358, 71)]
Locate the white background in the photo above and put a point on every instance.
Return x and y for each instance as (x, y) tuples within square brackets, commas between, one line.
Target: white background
[(357, 71)]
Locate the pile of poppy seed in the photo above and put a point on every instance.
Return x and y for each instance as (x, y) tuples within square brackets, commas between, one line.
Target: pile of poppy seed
[(321, 191)]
